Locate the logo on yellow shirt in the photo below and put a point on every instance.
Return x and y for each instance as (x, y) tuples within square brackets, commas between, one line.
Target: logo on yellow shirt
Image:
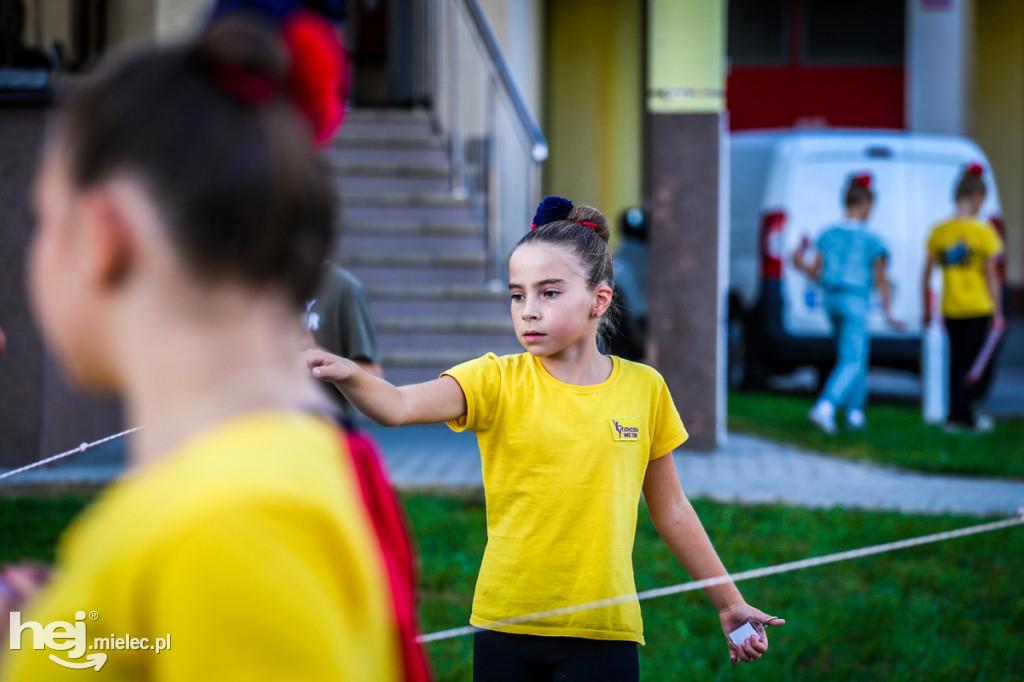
[(958, 255), (625, 428)]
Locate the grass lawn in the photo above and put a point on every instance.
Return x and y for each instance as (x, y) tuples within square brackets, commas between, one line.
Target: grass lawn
[(896, 435), (949, 611)]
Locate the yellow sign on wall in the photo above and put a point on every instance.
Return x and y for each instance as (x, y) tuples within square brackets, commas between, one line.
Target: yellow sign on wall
[(685, 56)]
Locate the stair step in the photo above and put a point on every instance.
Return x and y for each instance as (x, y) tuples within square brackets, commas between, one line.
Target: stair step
[(368, 184), (476, 344), (414, 229), (403, 199), (396, 170), (383, 140), (387, 115), (437, 292), (411, 260), (408, 213), (340, 157), (360, 242), (359, 126), (438, 302), (405, 376), (370, 275), (479, 325), (433, 308)]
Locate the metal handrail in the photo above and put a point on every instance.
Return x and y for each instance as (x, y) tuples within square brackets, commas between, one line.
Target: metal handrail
[(539, 146), (495, 144)]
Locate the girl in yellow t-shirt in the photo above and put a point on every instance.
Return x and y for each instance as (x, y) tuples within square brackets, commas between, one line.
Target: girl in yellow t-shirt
[(967, 249), (183, 216), (569, 439)]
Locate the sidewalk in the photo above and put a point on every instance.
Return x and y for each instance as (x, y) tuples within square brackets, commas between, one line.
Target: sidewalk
[(747, 470)]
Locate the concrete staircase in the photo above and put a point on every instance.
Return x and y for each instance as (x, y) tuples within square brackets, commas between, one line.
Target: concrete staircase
[(416, 246)]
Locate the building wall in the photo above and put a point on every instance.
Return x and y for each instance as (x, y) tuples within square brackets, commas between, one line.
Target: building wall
[(998, 114), (129, 22), (593, 99), (518, 26), (939, 59)]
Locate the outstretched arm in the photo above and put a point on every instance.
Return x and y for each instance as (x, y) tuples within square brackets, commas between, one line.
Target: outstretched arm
[(926, 291), (679, 527), (428, 403), (812, 269), (885, 290)]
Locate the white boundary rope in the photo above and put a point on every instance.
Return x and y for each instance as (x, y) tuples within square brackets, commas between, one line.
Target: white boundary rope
[(645, 594), (737, 577), (81, 448)]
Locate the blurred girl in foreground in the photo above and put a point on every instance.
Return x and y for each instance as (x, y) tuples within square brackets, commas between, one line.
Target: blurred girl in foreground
[(184, 214)]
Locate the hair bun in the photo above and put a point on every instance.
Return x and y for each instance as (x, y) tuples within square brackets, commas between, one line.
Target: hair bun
[(245, 42), (862, 180), (285, 46), (592, 219), (550, 210)]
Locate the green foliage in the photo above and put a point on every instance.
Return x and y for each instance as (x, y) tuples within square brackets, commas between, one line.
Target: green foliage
[(896, 435), (946, 611)]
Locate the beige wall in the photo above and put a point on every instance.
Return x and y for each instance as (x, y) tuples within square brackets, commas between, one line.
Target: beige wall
[(593, 102), (52, 23), (130, 22), (518, 26), (998, 115)]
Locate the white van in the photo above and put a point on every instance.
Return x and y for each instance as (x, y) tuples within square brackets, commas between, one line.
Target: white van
[(789, 184)]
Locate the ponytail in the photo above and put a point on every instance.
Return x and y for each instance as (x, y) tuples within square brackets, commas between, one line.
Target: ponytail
[(858, 190), (971, 183)]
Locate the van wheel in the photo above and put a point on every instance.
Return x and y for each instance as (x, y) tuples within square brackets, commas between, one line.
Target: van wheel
[(744, 371)]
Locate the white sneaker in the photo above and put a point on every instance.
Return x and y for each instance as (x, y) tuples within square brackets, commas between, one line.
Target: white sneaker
[(823, 414), (856, 420), (983, 423)]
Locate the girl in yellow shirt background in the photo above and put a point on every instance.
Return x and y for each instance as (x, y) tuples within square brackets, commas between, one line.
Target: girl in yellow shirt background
[(967, 250), (569, 438)]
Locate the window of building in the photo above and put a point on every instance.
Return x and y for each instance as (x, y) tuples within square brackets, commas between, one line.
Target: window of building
[(854, 31), (758, 31)]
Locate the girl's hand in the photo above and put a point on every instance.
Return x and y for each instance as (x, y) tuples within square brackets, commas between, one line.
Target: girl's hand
[(895, 324), (328, 367), (754, 647)]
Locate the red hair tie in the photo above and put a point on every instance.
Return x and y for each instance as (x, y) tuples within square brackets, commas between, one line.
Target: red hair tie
[(247, 86), (587, 223), (863, 180), (319, 73), (975, 169)]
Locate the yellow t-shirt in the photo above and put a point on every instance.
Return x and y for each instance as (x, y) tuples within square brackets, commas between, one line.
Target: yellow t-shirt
[(563, 470), (247, 549), (961, 246)]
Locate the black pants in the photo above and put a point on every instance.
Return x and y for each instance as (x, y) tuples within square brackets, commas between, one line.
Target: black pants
[(501, 657), (966, 338)]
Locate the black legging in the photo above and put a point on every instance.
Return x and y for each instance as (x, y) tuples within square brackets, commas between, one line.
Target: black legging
[(966, 338), (501, 657)]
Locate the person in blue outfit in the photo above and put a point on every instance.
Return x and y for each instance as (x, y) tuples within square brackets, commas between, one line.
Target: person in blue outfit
[(849, 260)]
